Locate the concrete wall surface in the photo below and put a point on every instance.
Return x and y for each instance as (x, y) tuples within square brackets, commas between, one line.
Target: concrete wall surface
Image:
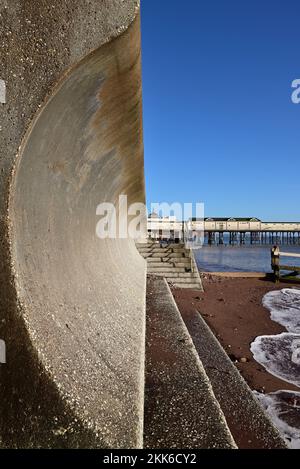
[(72, 306)]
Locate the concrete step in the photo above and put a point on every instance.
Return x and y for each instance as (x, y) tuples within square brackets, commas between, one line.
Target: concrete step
[(142, 245), (164, 274), (156, 244), (175, 275), (169, 260), (163, 255), (144, 248), (186, 265), (171, 246), (147, 255), (166, 250), (155, 260), (161, 265), (165, 269), (184, 275), (181, 260), (242, 410), (184, 279), (177, 397), (192, 286), (178, 255)]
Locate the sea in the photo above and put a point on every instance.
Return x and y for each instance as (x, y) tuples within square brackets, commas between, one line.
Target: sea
[(245, 258)]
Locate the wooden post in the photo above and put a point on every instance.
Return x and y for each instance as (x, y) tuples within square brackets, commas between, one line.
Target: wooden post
[(275, 262)]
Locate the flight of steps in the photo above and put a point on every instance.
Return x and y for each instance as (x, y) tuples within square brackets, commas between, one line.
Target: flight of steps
[(195, 396), (175, 262)]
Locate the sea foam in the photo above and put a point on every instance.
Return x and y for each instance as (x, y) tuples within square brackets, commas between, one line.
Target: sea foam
[(283, 408), (284, 306), (280, 355)]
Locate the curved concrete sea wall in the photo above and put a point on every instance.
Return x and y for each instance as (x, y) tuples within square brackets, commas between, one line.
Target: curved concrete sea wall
[(72, 305)]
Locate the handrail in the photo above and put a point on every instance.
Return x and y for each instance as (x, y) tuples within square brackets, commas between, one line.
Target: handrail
[(289, 254)]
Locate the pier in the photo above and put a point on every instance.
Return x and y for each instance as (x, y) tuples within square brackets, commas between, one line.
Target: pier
[(219, 231), (250, 230), (253, 237)]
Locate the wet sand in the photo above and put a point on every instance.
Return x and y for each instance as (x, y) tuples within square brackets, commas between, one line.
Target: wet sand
[(232, 307)]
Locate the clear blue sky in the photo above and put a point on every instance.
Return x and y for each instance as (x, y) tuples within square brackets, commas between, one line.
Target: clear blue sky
[(219, 123)]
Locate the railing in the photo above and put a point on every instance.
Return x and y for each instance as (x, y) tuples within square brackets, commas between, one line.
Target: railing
[(192, 238), (276, 254), (185, 233)]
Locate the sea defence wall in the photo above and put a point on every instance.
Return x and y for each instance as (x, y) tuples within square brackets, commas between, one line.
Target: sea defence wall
[(72, 305)]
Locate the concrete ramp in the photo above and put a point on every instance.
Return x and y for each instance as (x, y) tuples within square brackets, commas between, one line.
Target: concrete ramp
[(72, 305)]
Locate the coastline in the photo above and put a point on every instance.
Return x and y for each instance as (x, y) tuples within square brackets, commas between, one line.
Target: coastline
[(232, 308), (205, 275)]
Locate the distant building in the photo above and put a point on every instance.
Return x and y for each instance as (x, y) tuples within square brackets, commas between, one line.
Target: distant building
[(232, 224), (164, 227)]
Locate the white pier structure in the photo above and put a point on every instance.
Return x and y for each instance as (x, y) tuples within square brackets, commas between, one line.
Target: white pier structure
[(215, 230)]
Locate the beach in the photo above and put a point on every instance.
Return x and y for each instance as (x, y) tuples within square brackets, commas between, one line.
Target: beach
[(233, 309)]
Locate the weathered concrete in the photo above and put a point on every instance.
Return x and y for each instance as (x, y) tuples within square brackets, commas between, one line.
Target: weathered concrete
[(181, 410), (72, 305), (175, 262)]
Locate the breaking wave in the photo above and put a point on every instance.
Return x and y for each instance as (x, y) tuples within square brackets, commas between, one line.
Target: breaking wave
[(283, 408), (280, 355), (284, 306)]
